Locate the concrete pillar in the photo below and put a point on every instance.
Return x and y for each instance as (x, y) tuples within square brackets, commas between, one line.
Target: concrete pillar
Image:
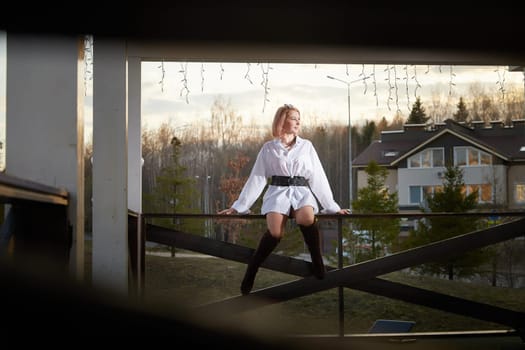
[(110, 165), (44, 120), (2, 98), (134, 135)]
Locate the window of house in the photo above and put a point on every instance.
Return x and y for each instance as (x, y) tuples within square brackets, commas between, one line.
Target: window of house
[(428, 158), (483, 192), (415, 194), (414, 161), (438, 157), (418, 194), (470, 156), (473, 156), (460, 156), (485, 159), (519, 193)]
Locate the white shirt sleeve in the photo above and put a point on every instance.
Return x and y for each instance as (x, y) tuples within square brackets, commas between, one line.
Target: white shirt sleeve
[(253, 187), (320, 186)]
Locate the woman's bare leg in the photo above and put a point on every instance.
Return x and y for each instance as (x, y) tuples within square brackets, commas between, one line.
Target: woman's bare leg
[(275, 223)]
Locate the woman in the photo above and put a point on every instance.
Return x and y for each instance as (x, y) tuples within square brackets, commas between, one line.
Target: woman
[(298, 184)]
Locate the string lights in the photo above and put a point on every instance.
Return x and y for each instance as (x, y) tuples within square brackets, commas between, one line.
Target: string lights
[(184, 80), (406, 78), (247, 75), (363, 75), (391, 79), (202, 77), (390, 72), (162, 75), (451, 83), (374, 83), (398, 110), (501, 83), (418, 85), (390, 87), (264, 83), (88, 61)]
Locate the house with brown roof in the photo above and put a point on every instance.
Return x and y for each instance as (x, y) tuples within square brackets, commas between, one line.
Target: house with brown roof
[(491, 156)]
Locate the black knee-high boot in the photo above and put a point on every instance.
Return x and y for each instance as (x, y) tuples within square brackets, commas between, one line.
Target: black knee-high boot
[(266, 245), (313, 241)]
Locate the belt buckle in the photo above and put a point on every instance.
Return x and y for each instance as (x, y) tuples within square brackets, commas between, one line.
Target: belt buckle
[(290, 181)]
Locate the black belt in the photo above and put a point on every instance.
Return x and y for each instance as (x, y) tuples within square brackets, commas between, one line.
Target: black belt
[(289, 181)]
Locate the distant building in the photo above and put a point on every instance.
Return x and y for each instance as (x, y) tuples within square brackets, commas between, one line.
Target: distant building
[(492, 157)]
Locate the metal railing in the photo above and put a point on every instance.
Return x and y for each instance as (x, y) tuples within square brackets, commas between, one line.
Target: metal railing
[(363, 276)]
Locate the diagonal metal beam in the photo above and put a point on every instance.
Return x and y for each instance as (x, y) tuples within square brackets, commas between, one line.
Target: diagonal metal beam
[(380, 266), (442, 302), (301, 268), (224, 250), (398, 291)]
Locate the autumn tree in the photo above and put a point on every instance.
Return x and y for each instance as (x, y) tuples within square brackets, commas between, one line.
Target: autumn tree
[(231, 185), (397, 122), (382, 125)]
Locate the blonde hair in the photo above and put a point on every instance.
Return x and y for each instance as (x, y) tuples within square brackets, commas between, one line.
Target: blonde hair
[(280, 115)]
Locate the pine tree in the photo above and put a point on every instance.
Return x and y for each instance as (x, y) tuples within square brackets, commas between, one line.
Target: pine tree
[(417, 114), (174, 192), (461, 114), (367, 134), (450, 199), (379, 235)]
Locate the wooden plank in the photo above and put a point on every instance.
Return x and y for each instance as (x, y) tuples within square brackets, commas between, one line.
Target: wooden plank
[(13, 188)]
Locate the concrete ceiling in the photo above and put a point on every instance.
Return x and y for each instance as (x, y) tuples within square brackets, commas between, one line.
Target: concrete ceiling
[(235, 31)]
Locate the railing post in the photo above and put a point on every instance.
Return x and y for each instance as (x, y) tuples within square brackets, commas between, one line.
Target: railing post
[(340, 266), (141, 254), (136, 245)]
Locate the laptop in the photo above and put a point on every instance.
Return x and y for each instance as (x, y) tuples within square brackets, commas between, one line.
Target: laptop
[(391, 326)]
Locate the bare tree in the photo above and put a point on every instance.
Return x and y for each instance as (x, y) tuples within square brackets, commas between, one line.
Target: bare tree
[(226, 124)]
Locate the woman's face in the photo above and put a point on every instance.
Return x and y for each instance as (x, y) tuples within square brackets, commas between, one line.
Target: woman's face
[(292, 123)]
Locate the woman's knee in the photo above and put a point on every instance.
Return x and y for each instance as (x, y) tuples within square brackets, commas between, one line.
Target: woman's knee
[(306, 222), (305, 216)]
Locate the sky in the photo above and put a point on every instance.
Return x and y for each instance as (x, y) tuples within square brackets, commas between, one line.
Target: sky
[(183, 92)]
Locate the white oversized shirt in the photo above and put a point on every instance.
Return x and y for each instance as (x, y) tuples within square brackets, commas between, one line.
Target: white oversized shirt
[(300, 160)]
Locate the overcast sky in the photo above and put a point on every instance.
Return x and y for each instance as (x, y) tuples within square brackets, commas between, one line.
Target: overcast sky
[(181, 92)]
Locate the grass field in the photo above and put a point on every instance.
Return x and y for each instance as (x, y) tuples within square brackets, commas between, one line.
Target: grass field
[(188, 282)]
